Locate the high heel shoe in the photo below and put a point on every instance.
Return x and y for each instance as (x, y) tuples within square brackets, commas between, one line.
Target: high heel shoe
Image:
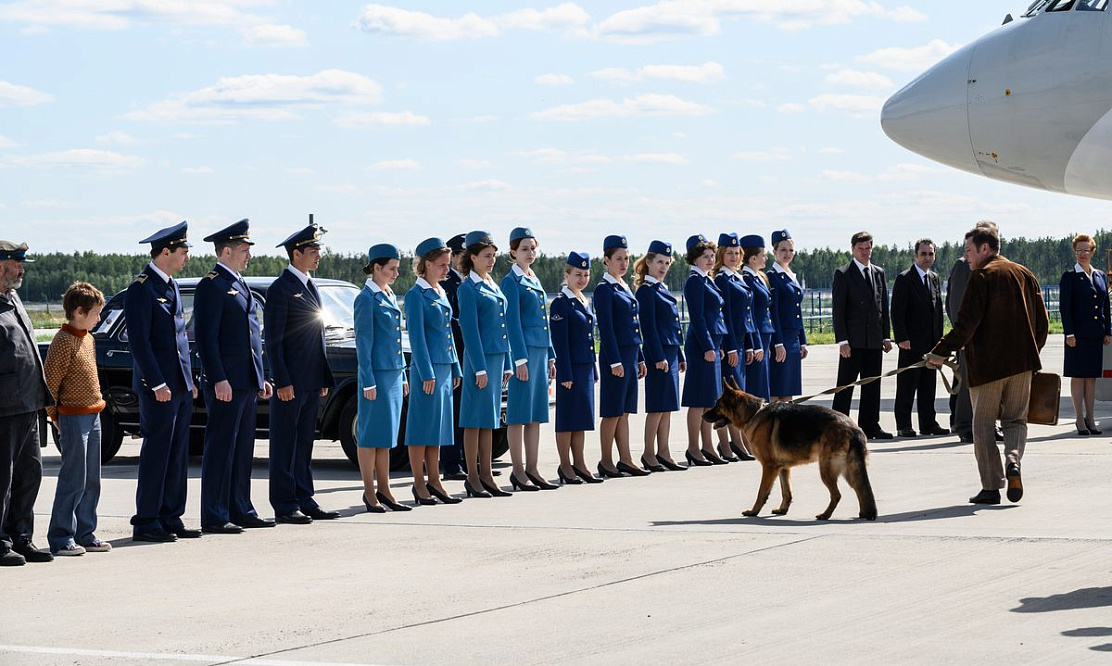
[(570, 480), (1093, 429), (373, 508), (423, 501), (586, 476), (728, 457), (652, 468), (738, 451), (442, 496), (671, 466), (630, 469), (391, 504), (543, 484), (616, 474), (713, 458), (518, 485), (1082, 431), (692, 460), (471, 492), (495, 491)]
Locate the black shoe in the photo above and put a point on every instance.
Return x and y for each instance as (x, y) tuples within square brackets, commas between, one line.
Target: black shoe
[(372, 508), (494, 491), (630, 469), (184, 532), (471, 492), (454, 476), (29, 552), (935, 431), (608, 473), (880, 434), (570, 480), (906, 432), (253, 522), (728, 457), (586, 476), (423, 501), (154, 536), (317, 513), (651, 467), (390, 504), (745, 457), (518, 485), (693, 461), (999, 435), (713, 458), (669, 465), (738, 451), (966, 439), (1082, 432), (986, 497), (294, 517), (442, 496), (1015, 483), (1093, 430), (9, 558), (226, 528), (543, 484)]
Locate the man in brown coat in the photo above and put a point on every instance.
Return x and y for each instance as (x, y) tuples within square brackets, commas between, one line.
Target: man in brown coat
[(1002, 325)]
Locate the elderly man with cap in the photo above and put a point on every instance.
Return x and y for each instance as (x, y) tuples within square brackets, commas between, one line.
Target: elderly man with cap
[(163, 380), (229, 343), (295, 349), (451, 456), (23, 393)]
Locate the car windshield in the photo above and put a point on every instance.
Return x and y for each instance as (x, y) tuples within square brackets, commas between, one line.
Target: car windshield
[(338, 307)]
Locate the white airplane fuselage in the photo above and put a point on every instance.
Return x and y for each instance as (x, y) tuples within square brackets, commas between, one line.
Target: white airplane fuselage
[(1029, 103)]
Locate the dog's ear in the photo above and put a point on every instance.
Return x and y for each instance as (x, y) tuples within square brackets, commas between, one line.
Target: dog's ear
[(731, 383)]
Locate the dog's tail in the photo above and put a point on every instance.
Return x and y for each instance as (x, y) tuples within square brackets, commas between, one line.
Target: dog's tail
[(858, 475)]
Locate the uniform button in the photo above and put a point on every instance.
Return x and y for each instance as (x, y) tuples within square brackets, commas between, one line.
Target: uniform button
[(503, 326), (399, 353), (546, 328), (503, 337), (399, 340)]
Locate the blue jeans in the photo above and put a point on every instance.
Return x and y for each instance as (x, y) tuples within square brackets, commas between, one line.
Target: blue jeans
[(74, 518)]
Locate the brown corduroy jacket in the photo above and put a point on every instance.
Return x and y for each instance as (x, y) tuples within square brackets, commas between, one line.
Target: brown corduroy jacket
[(1002, 323)]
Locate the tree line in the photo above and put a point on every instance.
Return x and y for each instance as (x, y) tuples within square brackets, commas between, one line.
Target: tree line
[(48, 277)]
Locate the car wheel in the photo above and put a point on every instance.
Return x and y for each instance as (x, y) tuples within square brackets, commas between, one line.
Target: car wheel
[(111, 436), (349, 421)]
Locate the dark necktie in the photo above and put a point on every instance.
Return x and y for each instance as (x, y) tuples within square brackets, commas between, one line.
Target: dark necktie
[(868, 275)]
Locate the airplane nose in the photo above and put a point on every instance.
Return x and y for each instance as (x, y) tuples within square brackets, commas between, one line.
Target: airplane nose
[(930, 115)]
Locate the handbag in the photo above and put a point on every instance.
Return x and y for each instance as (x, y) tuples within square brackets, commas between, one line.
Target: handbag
[(1046, 395)]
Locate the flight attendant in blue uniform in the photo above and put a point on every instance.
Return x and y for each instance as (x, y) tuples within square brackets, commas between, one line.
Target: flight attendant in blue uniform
[(301, 377), (753, 262), (534, 360), (664, 359), (620, 358), (573, 337), (163, 380), (434, 369), (229, 342), (1083, 303), (487, 363), (705, 329), (789, 339), (741, 334), (382, 382), (451, 455)]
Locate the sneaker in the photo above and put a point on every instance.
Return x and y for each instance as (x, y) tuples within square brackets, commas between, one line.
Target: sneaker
[(97, 546), (28, 550), (69, 550)]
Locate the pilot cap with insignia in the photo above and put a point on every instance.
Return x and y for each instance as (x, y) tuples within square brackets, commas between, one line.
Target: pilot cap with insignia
[(614, 242), (781, 235), (478, 237), (383, 251), (660, 247), (307, 237), (695, 240), (431, 245), (579, 260), (170, 237), (9, 250), (728, 240), (456, 243), (521, 233), (752, 240), (238, 232)]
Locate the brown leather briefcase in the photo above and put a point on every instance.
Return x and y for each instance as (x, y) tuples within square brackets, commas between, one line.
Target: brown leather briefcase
[(1046, 394)]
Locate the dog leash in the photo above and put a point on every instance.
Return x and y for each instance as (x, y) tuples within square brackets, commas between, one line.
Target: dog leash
[(951, 388)]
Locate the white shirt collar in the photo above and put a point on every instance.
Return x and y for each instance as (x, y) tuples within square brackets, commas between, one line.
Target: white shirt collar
[(229, 269), (569, 293), (517, 271), (300, 276), (786, 271), (922, 273), (375, 289), (750, 270), (424, 284), (613, 280), (861, 266), (159, 273), (478, 279), (776, 268), (650, 280), (729, 271), (701, 272)]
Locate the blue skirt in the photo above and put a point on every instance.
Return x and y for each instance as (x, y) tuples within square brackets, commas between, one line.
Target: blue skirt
[(618, 395), (379, 419), (756, 373), (528, 401), (662, 389), (787, 378), (575, 407), (429, 420), (480, 408), (1084, 360), (703, 384)]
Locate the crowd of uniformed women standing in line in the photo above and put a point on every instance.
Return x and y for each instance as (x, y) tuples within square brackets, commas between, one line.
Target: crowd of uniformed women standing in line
[(745, 323)]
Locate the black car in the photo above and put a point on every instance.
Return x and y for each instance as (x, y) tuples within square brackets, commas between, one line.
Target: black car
[(337, 417)]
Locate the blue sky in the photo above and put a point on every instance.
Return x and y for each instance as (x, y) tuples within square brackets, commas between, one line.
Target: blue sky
[(395, 122)]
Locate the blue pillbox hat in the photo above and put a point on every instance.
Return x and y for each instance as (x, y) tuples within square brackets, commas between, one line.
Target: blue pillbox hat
[(728, 240), (781, 235), (475, 237), (521, 233), (752, 240), (579, 259), (695, 240), (382, 251), (660, 247), (430, 244), (611, 242)]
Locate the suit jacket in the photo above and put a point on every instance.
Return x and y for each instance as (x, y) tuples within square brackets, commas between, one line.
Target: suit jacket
[(704, 306), (741, 331), (917, 310), (660, 321), (450, 285), (786, 308), (482, 316), (378, 335), (618, 322), (428, 317), (227, 332), (295, 335), (22, 382), (156, 333), (1002, 323), (1084, 305), (573, 336), (526, 315), (860, 311), (762, 304), (955, 288)]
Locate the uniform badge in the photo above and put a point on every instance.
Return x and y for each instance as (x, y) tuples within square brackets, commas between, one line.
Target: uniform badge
[(233, 292), (298, 294), (557, 317), (211, 275), (141, 278), (163, 300)]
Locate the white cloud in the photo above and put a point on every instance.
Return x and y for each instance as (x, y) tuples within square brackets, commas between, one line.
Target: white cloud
[(858, 79), (366, 119), (274, 35), (563, 157), (553, 80), (857, 105), (915, 60), (45, 203), (337, 189), (467, 163), (263, 97), (566, 16), (381, 19), (488, 185), (5, 142), (899, 173), (79, 158), (710, 183), (772, 155), (791, 107), (117, 138), (845, 176), (830, 150), (197, 170), (395, 165), (705, 73), (630, 107), (299, 171), (119, 14), (14, 95)]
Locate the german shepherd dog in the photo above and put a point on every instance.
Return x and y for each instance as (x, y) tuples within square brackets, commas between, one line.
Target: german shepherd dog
[(783, 434)]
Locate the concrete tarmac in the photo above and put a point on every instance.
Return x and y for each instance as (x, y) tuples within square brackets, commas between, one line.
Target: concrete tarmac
[(662, 569)]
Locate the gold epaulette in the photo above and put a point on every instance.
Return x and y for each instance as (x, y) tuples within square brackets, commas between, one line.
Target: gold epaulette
[(211, 275), (141, 278)]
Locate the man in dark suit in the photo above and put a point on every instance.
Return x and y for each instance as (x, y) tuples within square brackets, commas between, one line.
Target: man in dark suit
[(861, 326), (451, 457), (917, 325), (295, 349), (23, 393), (163, 380), (231, 350)]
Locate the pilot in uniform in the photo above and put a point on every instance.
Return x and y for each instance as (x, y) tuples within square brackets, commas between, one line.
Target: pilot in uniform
[(785, 378), (229, 343), (756, 373), (705, 330), (295, 349), (163, 380), (451, 455)]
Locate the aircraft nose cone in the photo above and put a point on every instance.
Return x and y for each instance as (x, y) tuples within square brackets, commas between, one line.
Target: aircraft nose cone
[(930, 115)]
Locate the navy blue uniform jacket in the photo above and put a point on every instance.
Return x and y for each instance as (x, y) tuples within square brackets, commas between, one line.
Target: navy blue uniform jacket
[(226, 329), (1084, 305), (661, 321), (295, 335), (573, 336), (156, 333)]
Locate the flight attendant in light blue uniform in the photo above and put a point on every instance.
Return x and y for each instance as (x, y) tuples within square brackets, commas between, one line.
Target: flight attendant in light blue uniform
[(573, 337), (620, 358), (434, 368), (753, 261), (383, 386), (789, 339), (534, 361), (741, 334), (705, 329), (664, 358), (486, 365)]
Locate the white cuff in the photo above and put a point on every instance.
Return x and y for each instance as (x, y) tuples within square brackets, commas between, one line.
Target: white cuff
[(369, 388), (159, 387), (780, 345), (843, 342), (520, 362), (615, 365), (481, 373), (732, 351), (1070, 336)]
